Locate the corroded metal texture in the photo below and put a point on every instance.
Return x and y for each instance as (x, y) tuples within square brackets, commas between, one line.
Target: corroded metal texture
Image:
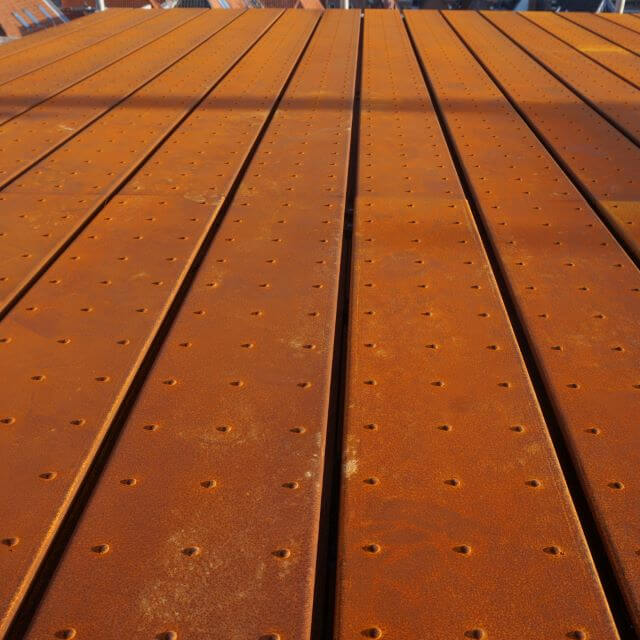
[(224, 448), (567, 124), (195, 204), (611, 95), (623, 63), (576, 291), (450, 480)]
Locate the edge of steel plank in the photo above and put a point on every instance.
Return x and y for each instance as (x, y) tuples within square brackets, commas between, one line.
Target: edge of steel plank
[(610, 31)]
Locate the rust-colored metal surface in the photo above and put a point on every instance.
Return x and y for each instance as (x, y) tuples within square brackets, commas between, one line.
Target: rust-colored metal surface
[(576, 292), (27, 138), (56, 50), (25, 92), (611, 95), (193, 209), (623, 63), (611, 31), (152, 112), (59, 31), (450, 479), (567, 124), (225, 453), (128, 264)]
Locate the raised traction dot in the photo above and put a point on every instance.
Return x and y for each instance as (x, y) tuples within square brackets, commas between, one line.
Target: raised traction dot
[(586, 310), (48, 53), (248, 530), (573, 131), (76, 409), (612, 95), (26, 91), (452, 510)]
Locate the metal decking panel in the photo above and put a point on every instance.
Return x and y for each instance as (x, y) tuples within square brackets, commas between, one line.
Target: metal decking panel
[(576, 292), (565, 122), (628, 21), (616, 59), (224, 448), (106, 162), (43, 36), (609, 30), (25, 92), (35, 133), (450, 479), (56, 50), (128, 263), (603, 90)]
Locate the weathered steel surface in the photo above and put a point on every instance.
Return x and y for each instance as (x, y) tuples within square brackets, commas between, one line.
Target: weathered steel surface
[(609, 30), (623, 63), (81, 332), (56, 50), (613, 96), (224, 449), (23, 93), (59, 31), (27, 138), (92, 165), (566, 123), (576, 291), (450, 480)]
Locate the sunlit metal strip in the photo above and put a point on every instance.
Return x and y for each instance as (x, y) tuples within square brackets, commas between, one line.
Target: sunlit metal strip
[(611, 95), (215, 484), (25, 92), (576, 292), (617, 59), (28, 137), (108, 151), (609, 30), (453, 502), (39, 38), (55, 51), (82, 331), (566, 123)]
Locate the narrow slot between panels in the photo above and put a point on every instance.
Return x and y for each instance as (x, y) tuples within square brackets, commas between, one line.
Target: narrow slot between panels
[(586, 519), (133, 169), (322, 626), (48, 566)]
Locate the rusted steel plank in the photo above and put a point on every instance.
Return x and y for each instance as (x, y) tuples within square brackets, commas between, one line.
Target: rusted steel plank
[(56, 50), (623, 63), (576, 292), (611, 95), (24, 93), (59, 31), (82, 331), (450, 479), (231, 476), (27, 138), (609, 30), (110, 150), (566, 124), (628, 21)]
